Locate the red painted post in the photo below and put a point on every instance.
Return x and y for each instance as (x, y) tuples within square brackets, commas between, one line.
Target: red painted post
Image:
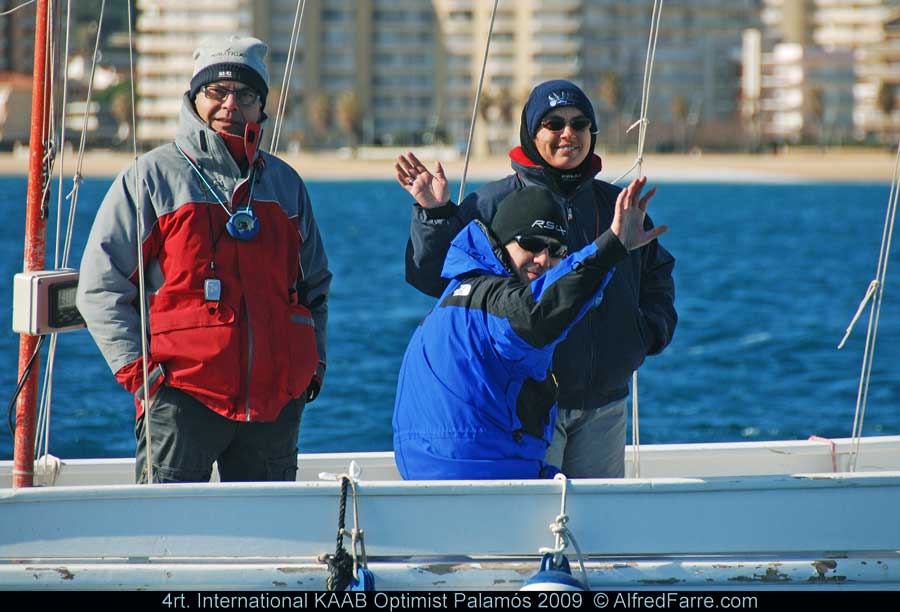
[(35, 252)]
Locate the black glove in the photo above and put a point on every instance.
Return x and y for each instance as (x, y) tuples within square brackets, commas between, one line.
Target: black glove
[(312, 391)]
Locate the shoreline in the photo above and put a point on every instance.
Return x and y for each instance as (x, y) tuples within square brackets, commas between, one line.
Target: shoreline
[(798, 165)]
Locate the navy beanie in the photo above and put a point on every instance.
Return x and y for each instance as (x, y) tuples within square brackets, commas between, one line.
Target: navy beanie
[(555, 94), (531, 211)]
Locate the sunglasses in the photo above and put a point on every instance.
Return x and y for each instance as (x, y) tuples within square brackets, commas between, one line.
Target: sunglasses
[(535, 245), (556, 123), (244, 97)]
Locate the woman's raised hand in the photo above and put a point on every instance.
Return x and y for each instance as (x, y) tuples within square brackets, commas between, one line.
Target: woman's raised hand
[(628, 222), (430, 190)]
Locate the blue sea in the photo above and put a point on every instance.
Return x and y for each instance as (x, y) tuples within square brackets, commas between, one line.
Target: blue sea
[(768, 277)]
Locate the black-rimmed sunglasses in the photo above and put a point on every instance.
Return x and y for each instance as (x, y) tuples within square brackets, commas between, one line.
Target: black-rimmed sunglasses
[(244, 97), (556, 123), (535, 245)]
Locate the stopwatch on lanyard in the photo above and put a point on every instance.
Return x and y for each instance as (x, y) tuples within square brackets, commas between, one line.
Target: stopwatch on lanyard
[(242, 224)]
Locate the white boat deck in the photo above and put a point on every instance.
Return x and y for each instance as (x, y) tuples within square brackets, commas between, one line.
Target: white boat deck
[(710, 515)]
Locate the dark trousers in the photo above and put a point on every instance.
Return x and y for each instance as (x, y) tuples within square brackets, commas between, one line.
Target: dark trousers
[(187, 438)]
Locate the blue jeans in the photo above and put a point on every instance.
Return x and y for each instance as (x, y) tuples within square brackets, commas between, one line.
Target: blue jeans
[(188, 437), (590, 443)]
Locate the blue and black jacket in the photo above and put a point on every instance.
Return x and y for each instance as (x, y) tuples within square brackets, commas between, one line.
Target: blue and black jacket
[(637, 316), (476, 398)]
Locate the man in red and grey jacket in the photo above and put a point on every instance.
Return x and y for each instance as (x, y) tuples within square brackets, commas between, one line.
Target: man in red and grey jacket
[(236, 281)]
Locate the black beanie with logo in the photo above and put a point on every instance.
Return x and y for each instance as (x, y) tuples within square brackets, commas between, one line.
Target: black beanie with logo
[(531, 211)]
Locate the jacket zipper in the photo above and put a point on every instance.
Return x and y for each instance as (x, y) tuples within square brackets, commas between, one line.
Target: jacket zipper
[(570, 218), (246, 311), (249, 357)]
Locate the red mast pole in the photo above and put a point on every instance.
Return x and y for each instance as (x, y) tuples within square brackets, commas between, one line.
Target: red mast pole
[(35, 251)]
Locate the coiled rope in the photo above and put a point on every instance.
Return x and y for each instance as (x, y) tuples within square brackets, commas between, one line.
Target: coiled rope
[(340, 564), (345, 568)]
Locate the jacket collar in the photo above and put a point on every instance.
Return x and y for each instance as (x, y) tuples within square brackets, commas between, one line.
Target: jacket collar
[(204, 145), (535, 172)]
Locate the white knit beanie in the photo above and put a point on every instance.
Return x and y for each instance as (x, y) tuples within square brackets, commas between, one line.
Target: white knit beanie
[(231, 58)]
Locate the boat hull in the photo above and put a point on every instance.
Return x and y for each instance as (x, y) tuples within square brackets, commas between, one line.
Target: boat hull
[(729, 531)]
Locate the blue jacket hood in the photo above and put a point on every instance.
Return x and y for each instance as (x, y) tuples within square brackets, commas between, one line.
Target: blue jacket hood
[(472, 251)]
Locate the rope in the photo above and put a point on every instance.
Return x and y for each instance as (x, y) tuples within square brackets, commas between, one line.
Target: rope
[(47, 171), (563, 535), (873, 286), (16, 8), (876, 287), (340, 564), (833, 450), (43, 434), (642, 124), (140, 258), (635, 427), (487, 46), (288, 71), (62, 131)]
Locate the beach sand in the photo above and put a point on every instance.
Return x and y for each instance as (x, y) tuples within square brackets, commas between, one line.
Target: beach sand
[(795, 165)]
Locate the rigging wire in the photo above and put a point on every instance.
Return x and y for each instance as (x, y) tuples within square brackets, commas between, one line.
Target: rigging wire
[(46, 164), (47, 128), (43, 415), (642, 123), (288, 72), (876, 291), (16, 8), (487, 46), (46, 395), (142, 293)]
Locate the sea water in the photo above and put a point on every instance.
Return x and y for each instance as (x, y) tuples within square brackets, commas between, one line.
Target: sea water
[(768, 276)]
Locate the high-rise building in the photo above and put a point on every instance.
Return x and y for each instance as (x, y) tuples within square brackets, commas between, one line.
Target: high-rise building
[(407, 71), (828, 62)]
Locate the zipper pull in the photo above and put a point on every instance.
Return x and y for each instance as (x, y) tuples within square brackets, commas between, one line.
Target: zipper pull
[(569, 214)]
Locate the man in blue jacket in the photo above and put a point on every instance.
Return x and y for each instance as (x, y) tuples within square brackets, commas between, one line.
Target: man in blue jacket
[(637, 317), (476, 397)]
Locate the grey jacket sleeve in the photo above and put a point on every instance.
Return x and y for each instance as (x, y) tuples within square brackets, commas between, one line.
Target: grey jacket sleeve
[(315, 275), (107, 294)]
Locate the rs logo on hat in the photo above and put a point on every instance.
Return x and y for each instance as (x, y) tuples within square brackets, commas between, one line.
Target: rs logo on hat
[(549, 225)]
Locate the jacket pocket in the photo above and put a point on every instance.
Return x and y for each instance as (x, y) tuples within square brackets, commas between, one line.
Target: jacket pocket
[(304, 356), (535, 401), (199, 344)]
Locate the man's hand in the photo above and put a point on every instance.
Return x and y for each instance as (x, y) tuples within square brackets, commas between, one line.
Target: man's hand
[(628, 222), (429, 190)]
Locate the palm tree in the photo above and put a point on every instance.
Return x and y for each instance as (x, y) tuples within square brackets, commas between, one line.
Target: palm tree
[(679, 110), (319, 116), (887, 103), (348, 113), (610, 91)]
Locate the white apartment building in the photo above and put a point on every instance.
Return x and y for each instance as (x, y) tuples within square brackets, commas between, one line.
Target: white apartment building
[(806, 94), (406, 71), (846, 53)]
